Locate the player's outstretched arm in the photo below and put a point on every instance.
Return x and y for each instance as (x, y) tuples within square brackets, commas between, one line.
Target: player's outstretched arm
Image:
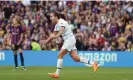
[(50, 38), (60, 32), (55, 34)]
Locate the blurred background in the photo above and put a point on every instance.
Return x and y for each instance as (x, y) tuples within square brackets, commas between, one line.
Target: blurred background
[(97, 25)]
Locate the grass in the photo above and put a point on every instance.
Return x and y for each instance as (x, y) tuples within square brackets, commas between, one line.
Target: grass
[(67, 73)]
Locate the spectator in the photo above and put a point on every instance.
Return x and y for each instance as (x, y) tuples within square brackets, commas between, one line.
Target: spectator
[(7, 40), (35, 45), (1, 46), (7, 11), (1, 35), (132, 47), (106, 47), (79, 43), (53, 45), (121, 47), (122, 38), (100, 40), (26, 42), (128, 47)]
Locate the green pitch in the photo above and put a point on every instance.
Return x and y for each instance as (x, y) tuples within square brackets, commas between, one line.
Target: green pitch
[(67, 73)]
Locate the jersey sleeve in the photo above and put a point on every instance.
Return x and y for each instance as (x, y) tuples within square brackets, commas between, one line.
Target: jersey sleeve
[(57, 26), (62, 24)]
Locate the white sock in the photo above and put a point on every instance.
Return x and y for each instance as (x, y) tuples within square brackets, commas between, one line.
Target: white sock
[(83, 60), (59, 66), (91, 62)]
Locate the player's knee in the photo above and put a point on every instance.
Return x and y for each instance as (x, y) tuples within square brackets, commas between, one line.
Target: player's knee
[(60, 56)]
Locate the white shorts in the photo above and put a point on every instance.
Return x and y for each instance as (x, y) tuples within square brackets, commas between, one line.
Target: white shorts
[(69, 44)]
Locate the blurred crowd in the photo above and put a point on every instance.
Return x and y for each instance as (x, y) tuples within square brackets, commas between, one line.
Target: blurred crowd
[(97, 25)]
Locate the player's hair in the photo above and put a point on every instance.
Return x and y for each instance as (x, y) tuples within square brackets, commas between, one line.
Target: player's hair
[(56, 14), (62, 16), (59, 15)]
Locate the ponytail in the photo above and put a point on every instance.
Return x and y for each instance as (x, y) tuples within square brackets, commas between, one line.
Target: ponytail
[(62, 16), (59, 15)]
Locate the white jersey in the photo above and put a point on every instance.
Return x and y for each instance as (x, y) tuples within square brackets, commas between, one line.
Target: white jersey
[(67, 32), (68, 36)]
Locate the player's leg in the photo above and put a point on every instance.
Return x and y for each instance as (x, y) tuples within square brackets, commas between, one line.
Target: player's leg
[(21, 57), (60, 60), (59, 63), (15, 56), (76, 58)]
